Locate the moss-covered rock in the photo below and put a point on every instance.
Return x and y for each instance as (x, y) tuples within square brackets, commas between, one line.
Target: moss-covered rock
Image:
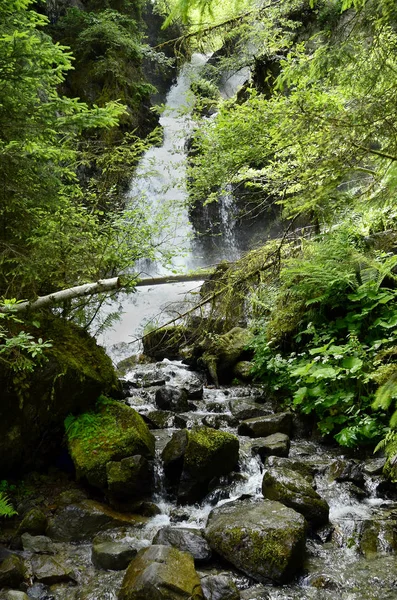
[(35, 404), (265, 540), (129, 478), (161, 573), (192, 458), (293, 490), (113, 432), (34, 522), (166, 342), (223, 352)]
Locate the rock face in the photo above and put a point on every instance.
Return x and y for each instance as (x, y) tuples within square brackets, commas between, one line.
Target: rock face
[(264, 539), (186, 540), (31, 420), (267, 425), (82, 521), (115, 431), (293, 490), (161, 573), (192, 458)]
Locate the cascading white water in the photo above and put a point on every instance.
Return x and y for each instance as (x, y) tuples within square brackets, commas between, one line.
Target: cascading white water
[(161, 181)]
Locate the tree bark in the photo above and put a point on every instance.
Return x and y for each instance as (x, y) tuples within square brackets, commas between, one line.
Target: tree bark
[(103, 285)]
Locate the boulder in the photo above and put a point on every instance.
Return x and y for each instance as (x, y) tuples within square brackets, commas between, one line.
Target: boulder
[(82, 521), (243, 370), (12, 572), (277, 444), (192, 458), (294, 464), (346, 470), (50, 570), (161, 573), (267, 425), (113, 432), (222, 352), (219, 587), (293, 490), (129, 478), (113, 556), (243, 409), (187, 540), (160, 419), (34, 522), (31, 420), (15, 595), (172, 398), (38, 544), (264, 539)]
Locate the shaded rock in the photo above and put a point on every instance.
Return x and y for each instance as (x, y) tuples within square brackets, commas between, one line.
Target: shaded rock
[(243, 370), (173, 399), (305, 469), (186, 540), (39, 591), (193, 458), (219, 421), (15, 595), (82, 521), (50, 570), (222, 352), (219, 587), (38, 544), (160, 419), (265, 539), (129, 478), (374, 466), (115, 431), (114, 556), (346, 470), (76, 373), (173, 455), (267, 425), (161, 573), (12, 572), (243, 409), (34, 522), (293, 490), (277, 444), (255, 592)]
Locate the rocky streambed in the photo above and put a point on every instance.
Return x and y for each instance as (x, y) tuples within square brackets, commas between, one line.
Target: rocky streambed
[(207, 493)]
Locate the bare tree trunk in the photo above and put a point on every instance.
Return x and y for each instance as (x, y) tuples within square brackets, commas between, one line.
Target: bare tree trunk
[(103, 285)]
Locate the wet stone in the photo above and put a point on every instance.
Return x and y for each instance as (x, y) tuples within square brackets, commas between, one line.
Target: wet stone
[(115, 556), (263, 539), (293, 490), (243, 409), (39, 591), (15, 595), (277, 444), (374, 466), (84, 520), (161, 573), (305, 469), (186, 540), (267, 425), (50, 570), (219, 587), (219, 421), (129, 478), (12, 571), (34, 522), (172, 399), (160, 419), (39, 544), (255, 592), (346, 470)]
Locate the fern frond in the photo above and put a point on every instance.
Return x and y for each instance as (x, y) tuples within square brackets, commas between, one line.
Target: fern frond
[(386, 394), (6, 508)]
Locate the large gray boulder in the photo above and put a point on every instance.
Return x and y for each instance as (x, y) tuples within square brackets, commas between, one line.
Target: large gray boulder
[(264, 539), (161, 573), (293, 490), (267, 425), (187, 540)]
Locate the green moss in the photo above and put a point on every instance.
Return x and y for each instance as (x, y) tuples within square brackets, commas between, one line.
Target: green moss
[(112, 432), (212, 451)]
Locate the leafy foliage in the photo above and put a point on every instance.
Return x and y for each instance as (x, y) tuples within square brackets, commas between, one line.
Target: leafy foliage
[(6, 508)]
